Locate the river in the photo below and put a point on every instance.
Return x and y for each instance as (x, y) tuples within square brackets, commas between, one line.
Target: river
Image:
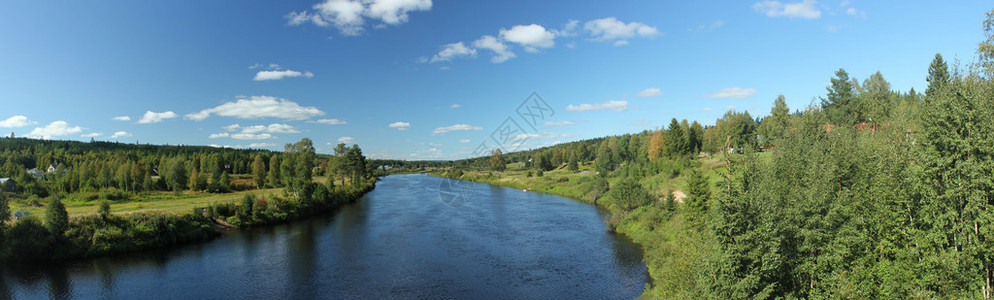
[(414, 236)]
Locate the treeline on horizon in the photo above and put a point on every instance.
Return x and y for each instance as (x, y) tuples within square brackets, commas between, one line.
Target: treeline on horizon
[(871, 193), (117, 173)]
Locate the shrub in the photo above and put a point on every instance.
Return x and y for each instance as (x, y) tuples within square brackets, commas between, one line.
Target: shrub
[(104, 209), (56, 217), (628, 194)]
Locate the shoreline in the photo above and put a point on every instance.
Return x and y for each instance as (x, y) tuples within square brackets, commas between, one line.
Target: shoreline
[(91, 236)]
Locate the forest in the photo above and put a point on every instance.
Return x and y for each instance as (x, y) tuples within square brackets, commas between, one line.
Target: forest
[(866, 193), (151, 184)]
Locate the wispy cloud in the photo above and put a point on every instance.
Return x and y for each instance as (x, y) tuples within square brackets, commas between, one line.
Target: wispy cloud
[(453, 51), (560, 123), (329, 122), (807, 9), (649, 92), (120, 134), (708, 27), (457, 127), (613, 30), (614, 105), (121, 118), (732, 93), (346, 140), (400, 125)]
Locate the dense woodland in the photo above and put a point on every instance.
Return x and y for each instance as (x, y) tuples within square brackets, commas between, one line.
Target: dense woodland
[(867, 193)]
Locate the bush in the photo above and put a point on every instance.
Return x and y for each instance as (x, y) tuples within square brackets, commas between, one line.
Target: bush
[(104, 209), (28, 239), (113, 194), (56, 217), (628, 194)]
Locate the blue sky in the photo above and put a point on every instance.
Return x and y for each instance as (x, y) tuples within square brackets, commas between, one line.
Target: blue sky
[(422, 79)]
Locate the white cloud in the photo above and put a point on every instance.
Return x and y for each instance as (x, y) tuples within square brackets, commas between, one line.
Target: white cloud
[(121, 118), (560, 123), (649, 92), (732, 93), (614, 105), (271, 128), (500, 50), (806, 9), (255, 132), (251, 136), (350, 16), (119, 134), (455, 106), (156, 117), (91, 135), (542, 136), (252, 145), (464, 141), (452, 51), (611, 29), (16, 121), (852, 11), (394, 12), (708, 27), (280, 74), (568, 30), (531, 37), (400, 125), (620, 43), (457, 127), (707, 109), (329, 122), (346, 140), (57, 128), (259, 107)]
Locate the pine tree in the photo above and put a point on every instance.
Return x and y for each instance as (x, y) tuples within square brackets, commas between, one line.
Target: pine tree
[(938, 76), (841, 105)]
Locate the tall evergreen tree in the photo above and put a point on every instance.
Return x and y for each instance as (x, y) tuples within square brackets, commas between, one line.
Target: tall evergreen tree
[(841, 106), (938, 76), (259, 171)]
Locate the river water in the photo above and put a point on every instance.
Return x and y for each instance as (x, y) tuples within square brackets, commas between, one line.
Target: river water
[(405, 239)]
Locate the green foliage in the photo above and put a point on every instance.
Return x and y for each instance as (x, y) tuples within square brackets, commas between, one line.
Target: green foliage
[(29, 239), (698, 195), (497, 162), (842, 106), (259, 171), (245, 209), (104, 209), (938, 76), (629, 194), (56, 217)]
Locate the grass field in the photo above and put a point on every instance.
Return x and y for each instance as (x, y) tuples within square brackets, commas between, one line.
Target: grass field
[(158, 201)]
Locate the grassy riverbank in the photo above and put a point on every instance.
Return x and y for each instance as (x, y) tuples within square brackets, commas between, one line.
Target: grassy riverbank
[(164, 220)]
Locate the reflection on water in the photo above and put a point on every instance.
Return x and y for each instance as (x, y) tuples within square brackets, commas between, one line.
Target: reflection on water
[(400, 241)]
